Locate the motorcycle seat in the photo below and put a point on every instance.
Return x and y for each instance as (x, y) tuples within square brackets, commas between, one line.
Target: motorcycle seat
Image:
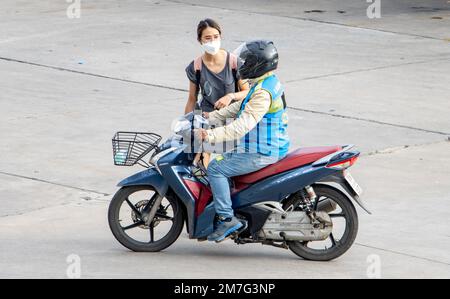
[(294, 159)]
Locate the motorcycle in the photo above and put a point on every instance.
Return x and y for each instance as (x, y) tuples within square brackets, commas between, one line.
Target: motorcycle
[(304, 202)]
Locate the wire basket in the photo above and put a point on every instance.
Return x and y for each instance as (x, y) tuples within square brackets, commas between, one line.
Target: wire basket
[(129, 148)]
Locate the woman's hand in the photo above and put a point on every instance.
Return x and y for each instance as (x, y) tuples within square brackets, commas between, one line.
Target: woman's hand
[(224, 101), (206, 115)]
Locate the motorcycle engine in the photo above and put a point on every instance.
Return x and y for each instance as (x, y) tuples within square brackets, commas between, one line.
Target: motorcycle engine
[(297, 226)]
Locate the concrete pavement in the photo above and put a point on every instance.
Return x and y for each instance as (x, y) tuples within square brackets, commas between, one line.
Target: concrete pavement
[(66, 85)]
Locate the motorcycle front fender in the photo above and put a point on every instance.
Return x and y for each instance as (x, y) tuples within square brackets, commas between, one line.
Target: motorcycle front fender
[(148, 177)]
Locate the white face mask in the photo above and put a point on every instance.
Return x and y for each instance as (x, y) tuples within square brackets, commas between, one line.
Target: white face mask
[(211, 47)]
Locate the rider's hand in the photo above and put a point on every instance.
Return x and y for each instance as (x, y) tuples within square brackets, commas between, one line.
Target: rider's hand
[(223, 101), (206, 115), (204, 134), (201, 134)]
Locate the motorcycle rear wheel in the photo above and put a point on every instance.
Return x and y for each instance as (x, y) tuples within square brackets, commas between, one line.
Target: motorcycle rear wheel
[(338, 247)]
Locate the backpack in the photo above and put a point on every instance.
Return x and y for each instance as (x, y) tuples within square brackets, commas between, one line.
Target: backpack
[(232, 62)]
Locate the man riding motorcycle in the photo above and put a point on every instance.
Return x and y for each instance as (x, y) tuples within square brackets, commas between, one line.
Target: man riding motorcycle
[(259, 122)]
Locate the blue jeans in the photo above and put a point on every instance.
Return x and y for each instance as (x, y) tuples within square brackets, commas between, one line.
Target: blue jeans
[(229, 165)]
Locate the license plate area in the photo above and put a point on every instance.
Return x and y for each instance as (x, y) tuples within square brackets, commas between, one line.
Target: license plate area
[(352, 182)]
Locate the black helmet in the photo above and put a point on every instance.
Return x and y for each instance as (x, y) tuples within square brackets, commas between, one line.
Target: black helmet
[(258, 57)]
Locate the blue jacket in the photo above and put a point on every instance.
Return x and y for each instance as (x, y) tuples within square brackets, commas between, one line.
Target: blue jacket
[(269, 137)]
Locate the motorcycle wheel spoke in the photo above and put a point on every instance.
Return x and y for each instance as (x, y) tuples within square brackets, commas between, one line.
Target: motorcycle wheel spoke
[(139, 223), (333, 240), (163, 217), (165, 209), (135, 210), (152, 233), (340, 215), (316, 203), (149, 205)]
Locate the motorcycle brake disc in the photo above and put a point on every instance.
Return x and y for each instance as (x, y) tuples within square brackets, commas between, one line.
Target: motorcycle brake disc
[(140, 206)]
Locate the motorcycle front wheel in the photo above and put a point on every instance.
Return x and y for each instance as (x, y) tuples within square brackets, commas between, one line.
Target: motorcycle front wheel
[(127, 226)]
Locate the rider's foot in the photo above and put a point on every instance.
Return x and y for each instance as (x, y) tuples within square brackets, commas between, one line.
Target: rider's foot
[(225, 227)]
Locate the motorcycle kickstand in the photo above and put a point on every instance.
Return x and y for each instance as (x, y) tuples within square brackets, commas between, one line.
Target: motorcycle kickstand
[(283, 245)]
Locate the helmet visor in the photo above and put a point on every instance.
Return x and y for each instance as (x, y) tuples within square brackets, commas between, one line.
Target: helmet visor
[(242, 52)]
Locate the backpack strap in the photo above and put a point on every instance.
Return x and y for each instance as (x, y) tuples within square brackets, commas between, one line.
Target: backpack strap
[(233, 61), (198, 68), (198, 63), (233, 66)]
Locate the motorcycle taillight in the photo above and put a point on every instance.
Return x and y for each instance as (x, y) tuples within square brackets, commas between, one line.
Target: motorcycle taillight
[(343, 164)]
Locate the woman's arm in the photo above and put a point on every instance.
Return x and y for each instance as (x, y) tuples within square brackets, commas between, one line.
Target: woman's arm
[(192, 99), (244, 87), (236, 96), (253, 113), (220, 116)]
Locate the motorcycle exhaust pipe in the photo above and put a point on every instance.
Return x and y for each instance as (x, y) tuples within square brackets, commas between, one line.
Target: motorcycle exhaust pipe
[(326, 206)]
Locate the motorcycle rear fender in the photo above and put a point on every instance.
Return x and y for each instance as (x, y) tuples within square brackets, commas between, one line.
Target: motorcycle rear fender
[(337, 180)]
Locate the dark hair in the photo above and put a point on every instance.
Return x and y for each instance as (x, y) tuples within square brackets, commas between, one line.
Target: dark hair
[(205, 24)]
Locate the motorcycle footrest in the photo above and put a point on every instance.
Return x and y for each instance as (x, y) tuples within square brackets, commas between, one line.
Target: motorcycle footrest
[(242, 229)]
